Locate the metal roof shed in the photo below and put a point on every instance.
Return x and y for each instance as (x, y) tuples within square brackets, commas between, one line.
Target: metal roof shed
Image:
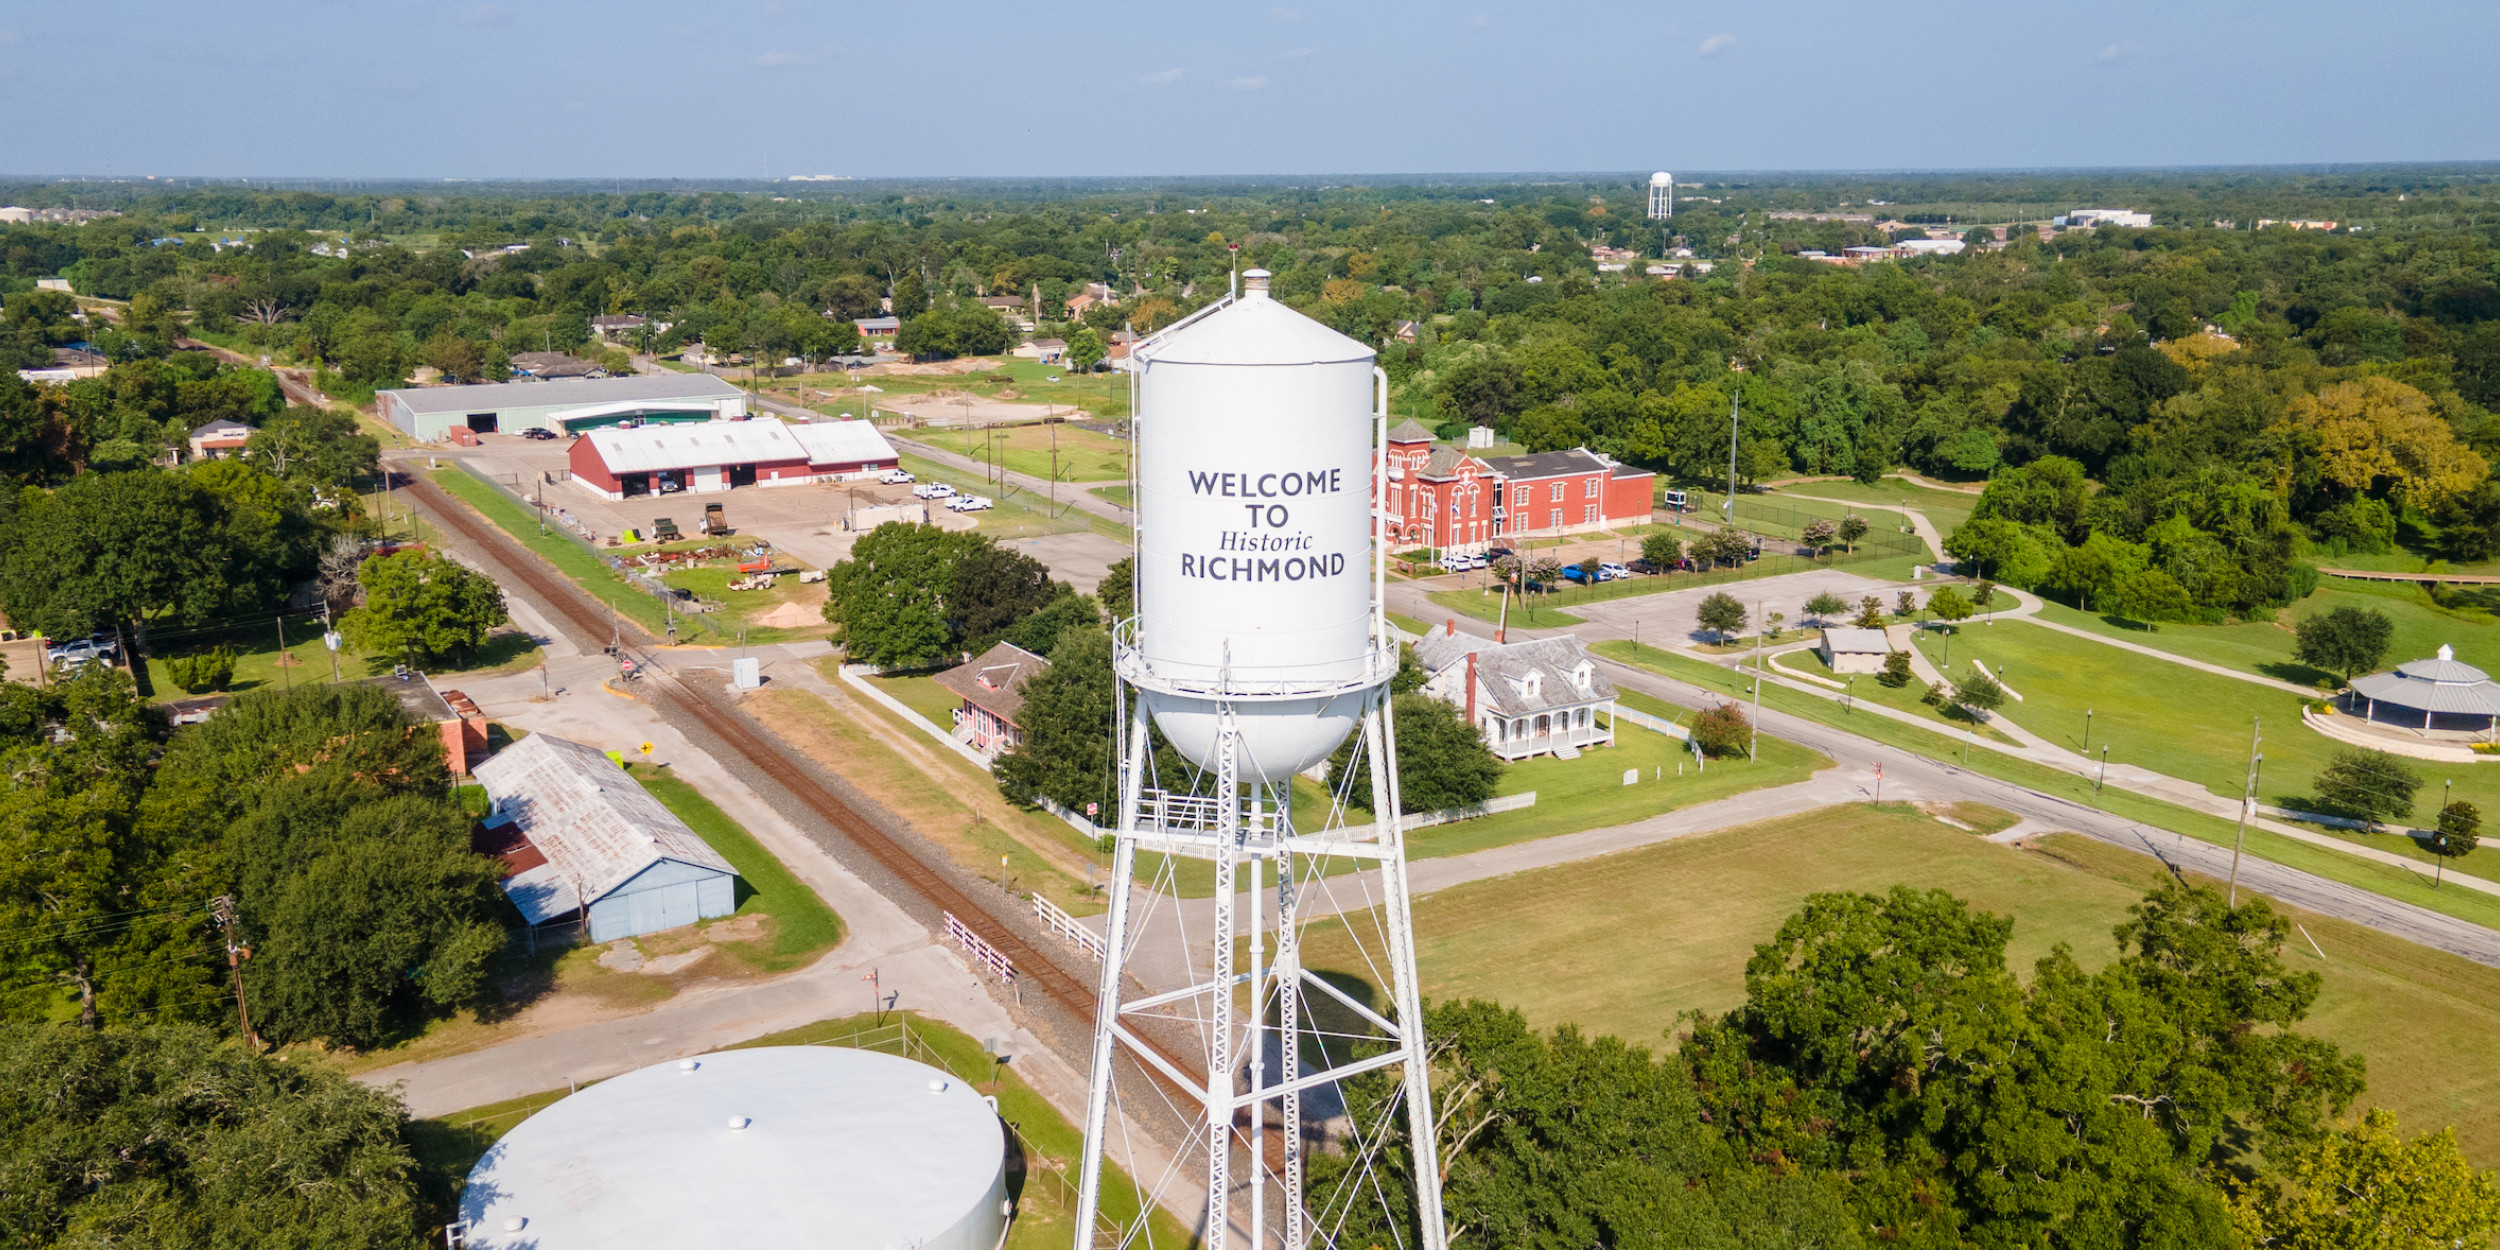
[(607, 844)]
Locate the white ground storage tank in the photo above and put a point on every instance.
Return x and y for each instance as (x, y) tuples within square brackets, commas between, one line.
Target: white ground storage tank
[(1254, 480), (781, 1146)]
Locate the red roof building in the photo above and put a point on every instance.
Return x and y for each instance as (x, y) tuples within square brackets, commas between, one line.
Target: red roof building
[(1441, 497)]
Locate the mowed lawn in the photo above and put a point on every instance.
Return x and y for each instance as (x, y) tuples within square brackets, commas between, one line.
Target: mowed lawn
[(2185, 722), (1084, 456), (1621, 944), (1944, 509), (2265, 647)]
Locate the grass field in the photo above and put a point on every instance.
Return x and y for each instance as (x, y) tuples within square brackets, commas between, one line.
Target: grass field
[(1101, 395), (2403, 884), (747, 607), (1084, 456), (1865, 689), (448, 1146), (941, 794), (1944, 509), (2265, 647), (2191, 724), (800, 926), (1622, 944), (585, 569)]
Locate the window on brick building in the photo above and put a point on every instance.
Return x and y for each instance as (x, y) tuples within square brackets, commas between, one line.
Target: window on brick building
[(1558, 492), (1591, 492), (1588, 515)]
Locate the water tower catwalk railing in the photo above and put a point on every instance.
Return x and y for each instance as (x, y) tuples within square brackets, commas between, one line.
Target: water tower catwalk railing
[(1282, 1043)]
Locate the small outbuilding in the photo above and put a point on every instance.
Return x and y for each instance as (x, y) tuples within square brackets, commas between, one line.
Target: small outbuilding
[(583, 837), (1848, 650), (219, 439)]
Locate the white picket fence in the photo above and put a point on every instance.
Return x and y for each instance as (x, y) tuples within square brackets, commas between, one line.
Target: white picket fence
[(1059, 924), (982, 952)]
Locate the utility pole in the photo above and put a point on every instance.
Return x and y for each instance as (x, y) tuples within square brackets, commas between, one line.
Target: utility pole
[(286, 680), (330, 641), (2248, 803), (222, 910), (2439, 865), (1734, 407), (1753, 743)]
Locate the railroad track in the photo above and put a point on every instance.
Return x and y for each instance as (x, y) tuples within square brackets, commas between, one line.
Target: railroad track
[(592, 620)]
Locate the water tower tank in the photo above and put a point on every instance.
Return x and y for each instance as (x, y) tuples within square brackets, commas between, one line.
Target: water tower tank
[(1254, 438)]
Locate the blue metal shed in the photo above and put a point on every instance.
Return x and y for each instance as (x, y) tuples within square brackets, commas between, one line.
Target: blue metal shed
[(597, 838)]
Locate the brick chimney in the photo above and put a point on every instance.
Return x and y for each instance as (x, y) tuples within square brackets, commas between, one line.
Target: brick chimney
[(1471, 686)]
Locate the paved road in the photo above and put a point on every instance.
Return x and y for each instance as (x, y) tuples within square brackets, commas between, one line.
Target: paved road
[(1070, 493)]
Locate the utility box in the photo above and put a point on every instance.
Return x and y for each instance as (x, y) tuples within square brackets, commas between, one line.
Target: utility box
[(747, 674)]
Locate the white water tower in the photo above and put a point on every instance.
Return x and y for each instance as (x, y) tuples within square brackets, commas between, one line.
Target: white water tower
[(1255, 590), (1661, 196), (1258, 646)]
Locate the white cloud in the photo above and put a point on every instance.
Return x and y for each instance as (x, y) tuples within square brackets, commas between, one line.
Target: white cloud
[(2118, 52), (1162, 78), (485, 15), (1285, 15), (1246, 84), (9, 39), (1717, 44)]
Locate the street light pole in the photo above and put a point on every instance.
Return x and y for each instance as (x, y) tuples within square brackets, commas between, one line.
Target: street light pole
[(2248, 803), (2096, 784), (2087, 731)]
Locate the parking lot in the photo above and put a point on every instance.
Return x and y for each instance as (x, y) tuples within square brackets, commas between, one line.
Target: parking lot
[(805, 522)]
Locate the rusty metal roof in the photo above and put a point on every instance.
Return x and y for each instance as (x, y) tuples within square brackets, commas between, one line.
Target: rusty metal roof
[(596, 826)]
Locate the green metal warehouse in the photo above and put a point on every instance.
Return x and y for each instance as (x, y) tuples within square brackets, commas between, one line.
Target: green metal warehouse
[(563, 406)]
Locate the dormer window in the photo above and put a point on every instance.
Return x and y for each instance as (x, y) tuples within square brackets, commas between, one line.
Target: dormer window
[(1581, 673)]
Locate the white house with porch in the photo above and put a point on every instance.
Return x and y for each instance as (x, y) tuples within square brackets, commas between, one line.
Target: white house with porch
[(1542, 696)]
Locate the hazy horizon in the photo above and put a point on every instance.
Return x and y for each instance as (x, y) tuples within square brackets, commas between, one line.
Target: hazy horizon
[(565, 91)]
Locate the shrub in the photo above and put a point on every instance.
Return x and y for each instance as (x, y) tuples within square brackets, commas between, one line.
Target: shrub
[(1722, 731), (202, 670), (1896, 672)]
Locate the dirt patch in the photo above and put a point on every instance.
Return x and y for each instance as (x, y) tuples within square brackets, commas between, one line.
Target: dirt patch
[(793, 616), (934, 369), (746, 928), (621, 957), (671, 965)]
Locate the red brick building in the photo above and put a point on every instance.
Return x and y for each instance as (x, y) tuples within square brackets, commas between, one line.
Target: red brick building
[(1442, 497)]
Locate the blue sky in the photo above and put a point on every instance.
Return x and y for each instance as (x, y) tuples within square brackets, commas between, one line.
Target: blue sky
[(748, 88)]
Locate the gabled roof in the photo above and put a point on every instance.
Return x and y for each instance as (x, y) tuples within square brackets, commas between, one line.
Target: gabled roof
[(1845, 640), (842, 442), (648, 448), (1443, 463), (1409, 431), (222, 428), (995, 680), (597, 827), (1520, 678)]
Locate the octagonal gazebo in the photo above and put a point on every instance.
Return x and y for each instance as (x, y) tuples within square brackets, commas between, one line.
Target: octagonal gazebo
[(2434, 695)]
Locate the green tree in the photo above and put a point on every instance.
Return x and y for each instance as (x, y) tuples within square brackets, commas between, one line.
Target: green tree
[(1085, 349), (459, 358), (112, 549), (1825, 605), (2367, 1186), (1905, 605), (1984, 595), (202, 670), (322, 447), (890, 598), (1721, 614), (1442, 760), (1981, 693), (1870, 613), (1040, 632), (2460, 831), (992, 588), (424, 606), (1662, 550), (1896, 672), (2344, 641), (1118, 590), (1949, 605), (164, 1135), (1852, 528), (911, 295), (2369, 786)]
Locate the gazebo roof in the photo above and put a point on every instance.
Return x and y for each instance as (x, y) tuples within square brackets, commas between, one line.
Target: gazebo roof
[(2437, 685)]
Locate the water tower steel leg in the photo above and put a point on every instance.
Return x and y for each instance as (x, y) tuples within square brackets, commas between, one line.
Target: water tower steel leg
[(1254, 1040), (1219, 1092), (1380, 734), (1289, 1047), (1107, 995)]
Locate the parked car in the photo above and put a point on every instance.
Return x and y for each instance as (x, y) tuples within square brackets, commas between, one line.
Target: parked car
[(538, 433), (898, 477), (971, 503), (932, 490), (1610, 571), (1574, 573), (1646, 567), (1496, 553)]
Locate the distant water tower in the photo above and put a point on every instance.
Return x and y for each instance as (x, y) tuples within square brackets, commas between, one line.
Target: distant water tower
[(1661, 196)]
